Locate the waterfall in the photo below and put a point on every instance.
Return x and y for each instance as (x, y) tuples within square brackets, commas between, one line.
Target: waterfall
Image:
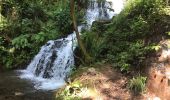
[(102, 10), (51, 66)]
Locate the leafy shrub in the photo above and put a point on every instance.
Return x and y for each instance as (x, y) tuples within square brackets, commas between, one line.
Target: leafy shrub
[(94, 43), (35, 23), (63, 20), (69, 93), (40, 37), (127, 35), (21, 41), (137, 84), (30, 26)]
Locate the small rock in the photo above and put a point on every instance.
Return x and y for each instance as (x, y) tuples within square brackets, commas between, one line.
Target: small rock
[(19, 94), (91, 71)]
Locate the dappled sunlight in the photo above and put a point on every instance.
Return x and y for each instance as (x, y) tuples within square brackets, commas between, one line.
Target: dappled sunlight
[(103, 83), (2, 21), (85, 49), (158, 84), (89, 93), (165, 51)]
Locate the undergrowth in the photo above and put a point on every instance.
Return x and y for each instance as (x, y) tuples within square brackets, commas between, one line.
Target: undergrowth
[(137, 84), (131, 35), (70, 92), (27, 25)]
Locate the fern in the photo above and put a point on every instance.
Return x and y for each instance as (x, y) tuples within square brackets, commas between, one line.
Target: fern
[(21, 41)]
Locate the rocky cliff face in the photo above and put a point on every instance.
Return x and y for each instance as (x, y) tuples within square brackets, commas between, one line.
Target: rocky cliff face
[(159, 72)]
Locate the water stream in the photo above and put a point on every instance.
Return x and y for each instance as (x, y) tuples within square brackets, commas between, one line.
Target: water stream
[(51, 65)]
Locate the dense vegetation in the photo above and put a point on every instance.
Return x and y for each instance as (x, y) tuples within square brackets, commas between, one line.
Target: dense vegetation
[(131, 35), (26, 25), (128, 40), (125, 42)]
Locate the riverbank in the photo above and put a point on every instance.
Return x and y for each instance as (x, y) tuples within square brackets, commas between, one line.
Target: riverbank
[(99, 82)]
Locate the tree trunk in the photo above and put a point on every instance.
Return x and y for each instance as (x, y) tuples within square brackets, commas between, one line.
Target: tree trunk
[(80, 43), (167, 2)]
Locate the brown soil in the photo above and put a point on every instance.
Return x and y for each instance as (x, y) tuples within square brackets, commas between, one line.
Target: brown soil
[(106, 84)]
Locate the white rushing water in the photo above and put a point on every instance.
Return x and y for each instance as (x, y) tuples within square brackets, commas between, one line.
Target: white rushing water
[(51, 66), (103, 10)]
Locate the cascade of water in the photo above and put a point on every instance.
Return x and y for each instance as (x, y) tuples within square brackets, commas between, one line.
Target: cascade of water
[(51, 65), (102, 10)]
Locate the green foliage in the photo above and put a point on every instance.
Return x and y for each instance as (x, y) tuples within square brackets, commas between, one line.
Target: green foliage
[(63, 20), (70, 92), (94, 43), (137, 84), (21, 41), (128, 39), (40, 37), (124, 43), (3, 22), (30, 24), (168, 33), (127, 35), (1, 41)]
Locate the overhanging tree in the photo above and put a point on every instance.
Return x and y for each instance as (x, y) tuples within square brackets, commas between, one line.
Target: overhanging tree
[(80, 43)]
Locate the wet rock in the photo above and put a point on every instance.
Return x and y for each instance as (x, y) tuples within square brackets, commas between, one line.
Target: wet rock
[(50, 63), (47, 44), (77, 56), (57, 44), (100, 22), (39, 66)]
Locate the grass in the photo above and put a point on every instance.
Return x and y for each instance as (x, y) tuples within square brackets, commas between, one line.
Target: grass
[(137, 84)]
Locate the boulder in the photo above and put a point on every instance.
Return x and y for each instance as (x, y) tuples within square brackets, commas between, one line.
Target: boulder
[(101, 22)]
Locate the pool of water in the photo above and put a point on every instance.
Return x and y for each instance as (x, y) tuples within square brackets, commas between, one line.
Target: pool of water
[(14, 88)]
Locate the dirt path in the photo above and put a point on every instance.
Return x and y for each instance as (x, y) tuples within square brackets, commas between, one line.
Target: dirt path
[(105, 83)]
